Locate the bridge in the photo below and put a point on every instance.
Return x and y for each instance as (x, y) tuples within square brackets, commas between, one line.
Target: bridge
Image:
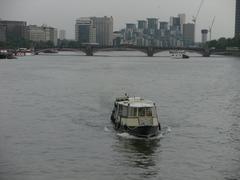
[(89, 50)]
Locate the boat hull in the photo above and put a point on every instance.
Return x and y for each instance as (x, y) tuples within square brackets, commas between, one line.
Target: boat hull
[(139, 131), (144, 131)]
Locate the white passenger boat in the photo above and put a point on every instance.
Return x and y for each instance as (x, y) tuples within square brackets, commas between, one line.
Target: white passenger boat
[(178, 54), (135, 116)]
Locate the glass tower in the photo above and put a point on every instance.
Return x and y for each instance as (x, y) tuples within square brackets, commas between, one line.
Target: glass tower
[(237, 18)]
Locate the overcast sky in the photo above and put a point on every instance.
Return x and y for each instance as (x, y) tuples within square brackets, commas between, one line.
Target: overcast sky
[(63, 13)]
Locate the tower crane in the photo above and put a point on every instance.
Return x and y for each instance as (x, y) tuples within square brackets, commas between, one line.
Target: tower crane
[(210, 29), (196, 16)]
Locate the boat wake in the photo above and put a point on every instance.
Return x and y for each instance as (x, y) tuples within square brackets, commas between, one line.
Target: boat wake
[(126, 135), (106, 129), (129, 136)]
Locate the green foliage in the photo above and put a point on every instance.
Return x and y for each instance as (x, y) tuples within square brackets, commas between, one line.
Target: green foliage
[(69, 44), (43, 45), (222, 43), (15, 43)]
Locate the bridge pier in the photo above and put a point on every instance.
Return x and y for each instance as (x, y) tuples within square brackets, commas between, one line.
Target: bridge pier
[(150, 52), (206, 53), (89, 51)]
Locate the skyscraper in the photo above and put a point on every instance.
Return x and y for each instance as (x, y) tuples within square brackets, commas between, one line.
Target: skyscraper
[(85, 32), (182, 20), (175, 23), (237, 18), (188, 34), (152, 25), (130, 33), (142, 24), (163, 25), (104, 30), (3, 30)]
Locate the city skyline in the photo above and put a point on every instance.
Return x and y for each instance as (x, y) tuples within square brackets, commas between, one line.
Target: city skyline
[(123, 12)]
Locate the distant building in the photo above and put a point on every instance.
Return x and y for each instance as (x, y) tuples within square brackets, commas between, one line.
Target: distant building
[(53, 35), (85, 31), (104, 30), (35, 33), (175, 24), (142, 24), (41, 33), (131, 26), (117, 38), (189, 34), (204, 35), (163, 25), (182, 18), (15, 30), (3, 33), (62, 34), (130, 33), (152, 25), (237, 18)]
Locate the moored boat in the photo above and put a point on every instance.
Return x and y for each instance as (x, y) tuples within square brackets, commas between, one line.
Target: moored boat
[(5, 54), (135, 116), (24, 52)]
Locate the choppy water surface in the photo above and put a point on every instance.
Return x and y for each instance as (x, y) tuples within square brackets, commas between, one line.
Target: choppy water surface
[(55, 118)]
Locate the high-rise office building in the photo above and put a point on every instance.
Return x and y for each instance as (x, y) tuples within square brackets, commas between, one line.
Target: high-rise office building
[(85, 32), (15, 30), (3, 31), (175, 23), (104, 30), (131, 26), (189, 34), (152, 25), (237, 18), (62, 34), (182, 18), (163, 25), (142, 24), (130, 33)]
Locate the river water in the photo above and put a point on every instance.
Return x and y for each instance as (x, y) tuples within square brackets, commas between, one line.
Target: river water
[(55, 117)]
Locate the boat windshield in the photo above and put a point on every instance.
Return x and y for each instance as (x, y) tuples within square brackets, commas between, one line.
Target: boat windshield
[(123, 110), (142, 112)]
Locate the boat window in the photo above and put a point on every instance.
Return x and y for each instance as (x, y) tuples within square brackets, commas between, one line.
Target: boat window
[(124, 111), (148, 111), (132, 112), (120, 110), (141, 112)]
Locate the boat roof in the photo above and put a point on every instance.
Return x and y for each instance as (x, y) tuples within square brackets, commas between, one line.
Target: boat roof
[(134, 102)]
